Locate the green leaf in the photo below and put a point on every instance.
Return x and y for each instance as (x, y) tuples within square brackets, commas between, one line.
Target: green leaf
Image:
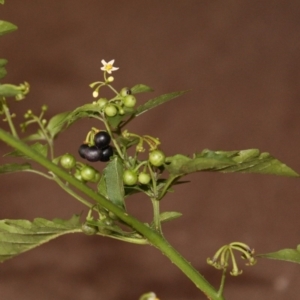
[(169, 216), (3, 62), (56, 123), (9, 90), (87, 110), (141, 88), (3, 71), (114, 181), (291, 255), (244, 161), (18, 236), (181, 165), (102, 187), (38, 136), (1, 1), (10, 168), (38, 147), (7, 27), (157, 101)]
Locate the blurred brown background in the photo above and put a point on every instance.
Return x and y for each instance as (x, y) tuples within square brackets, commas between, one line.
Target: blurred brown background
[(241, 61)]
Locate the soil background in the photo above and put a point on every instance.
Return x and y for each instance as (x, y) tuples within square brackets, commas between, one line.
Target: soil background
[(241, 61)]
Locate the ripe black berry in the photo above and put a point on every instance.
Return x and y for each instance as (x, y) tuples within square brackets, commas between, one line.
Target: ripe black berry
[(82, 150), (92, 153), (102, 139), (106, 153)]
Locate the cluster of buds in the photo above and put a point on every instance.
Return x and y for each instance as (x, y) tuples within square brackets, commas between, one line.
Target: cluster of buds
[(224, 254)]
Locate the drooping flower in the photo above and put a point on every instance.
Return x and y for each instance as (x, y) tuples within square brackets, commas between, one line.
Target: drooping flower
[(108, 66)]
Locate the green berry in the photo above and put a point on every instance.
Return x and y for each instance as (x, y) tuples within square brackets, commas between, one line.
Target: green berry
[(157, 158), (125, 91), (102, 102), (67, 161), (130, 177), (129, 101), (88, 173), (144, 178), (110, 110)]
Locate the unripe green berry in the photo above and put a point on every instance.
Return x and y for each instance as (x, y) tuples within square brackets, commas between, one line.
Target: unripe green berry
[(110, 110), (130, 177), (157, 158), (144, 178), (102, 102), (125, 91), (129, 101), (68, 161)]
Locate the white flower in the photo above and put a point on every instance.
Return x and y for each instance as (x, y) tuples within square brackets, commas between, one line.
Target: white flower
[(108, 66)]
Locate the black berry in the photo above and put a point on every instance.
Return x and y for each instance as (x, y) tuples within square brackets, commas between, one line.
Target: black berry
[(92, 153), (102, 139), (106, 153), (82, 150)]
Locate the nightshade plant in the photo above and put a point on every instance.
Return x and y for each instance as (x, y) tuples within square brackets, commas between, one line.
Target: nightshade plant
[(145, 169)]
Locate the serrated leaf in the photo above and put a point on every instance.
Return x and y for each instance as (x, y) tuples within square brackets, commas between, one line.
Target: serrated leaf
[(114, 181), (6, 27), (141, 88), (169, 216), (18, 236), (10, 168), (291, 255), (157, 101), (56, 123), (244, 161), (38, 147)]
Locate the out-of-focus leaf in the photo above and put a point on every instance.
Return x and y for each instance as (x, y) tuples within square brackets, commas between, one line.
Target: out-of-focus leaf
[(157, 101), (114, 181), (141, 88), (169, 216), (3, 71), (18, 236), (6, 27), (9, 90), (291, 255), (10, 168), (38, 136), (244, 161), (56, 123), (38, 147)]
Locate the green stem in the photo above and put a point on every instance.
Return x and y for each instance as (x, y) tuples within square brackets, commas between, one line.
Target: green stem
[(222, 284), (152, 236), (156, 213), (8, 118), (112, 138)]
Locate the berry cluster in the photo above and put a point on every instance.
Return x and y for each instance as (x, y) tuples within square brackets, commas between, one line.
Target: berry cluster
[(123, 102), (82, 172), (132, 176), (100, 151)]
